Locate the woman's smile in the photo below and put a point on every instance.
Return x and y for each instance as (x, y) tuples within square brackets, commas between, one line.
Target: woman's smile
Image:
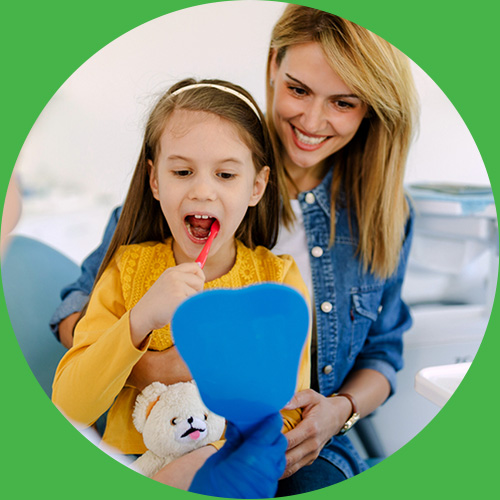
[(308, 142)]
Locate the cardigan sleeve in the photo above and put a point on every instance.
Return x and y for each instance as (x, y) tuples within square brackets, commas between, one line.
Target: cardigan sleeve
[(95, 369)]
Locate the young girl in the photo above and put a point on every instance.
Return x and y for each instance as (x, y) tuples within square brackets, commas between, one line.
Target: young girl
[(206, 156)]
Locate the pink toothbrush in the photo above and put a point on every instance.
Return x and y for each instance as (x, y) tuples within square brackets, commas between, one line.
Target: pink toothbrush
[(202, 258)]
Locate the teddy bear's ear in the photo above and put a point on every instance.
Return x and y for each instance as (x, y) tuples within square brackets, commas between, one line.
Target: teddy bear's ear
[(145, 402)]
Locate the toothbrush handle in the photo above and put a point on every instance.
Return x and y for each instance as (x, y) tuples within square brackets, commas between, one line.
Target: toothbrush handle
[(202, 258)]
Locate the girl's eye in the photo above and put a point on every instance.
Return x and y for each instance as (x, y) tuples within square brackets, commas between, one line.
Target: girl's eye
[(181, 173), (173, 421), (226, 175)]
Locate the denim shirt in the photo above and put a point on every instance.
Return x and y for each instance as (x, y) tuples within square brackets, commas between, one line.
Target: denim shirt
[(75, 296), (360, 318)]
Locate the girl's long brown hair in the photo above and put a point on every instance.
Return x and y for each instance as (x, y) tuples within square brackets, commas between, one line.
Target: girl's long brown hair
[(370, 168), (141, 218)]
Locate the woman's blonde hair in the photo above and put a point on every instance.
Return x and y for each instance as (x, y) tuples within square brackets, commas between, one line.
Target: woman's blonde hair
[(370, 168), (141, 218)]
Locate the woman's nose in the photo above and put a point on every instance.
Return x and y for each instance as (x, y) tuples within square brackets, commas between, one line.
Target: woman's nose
[(313, 117)]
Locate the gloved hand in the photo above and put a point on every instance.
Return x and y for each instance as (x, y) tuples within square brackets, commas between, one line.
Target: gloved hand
[(246, 466)]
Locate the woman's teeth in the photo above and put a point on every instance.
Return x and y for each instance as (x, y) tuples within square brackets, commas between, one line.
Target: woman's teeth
[(307, 139), (201, 217)]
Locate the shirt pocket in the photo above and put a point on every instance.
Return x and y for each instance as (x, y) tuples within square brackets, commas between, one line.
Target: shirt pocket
[(365, 306)]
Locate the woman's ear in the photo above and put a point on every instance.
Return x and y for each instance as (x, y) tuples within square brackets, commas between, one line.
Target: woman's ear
[(153, 180), (259, 186), (273, 67)]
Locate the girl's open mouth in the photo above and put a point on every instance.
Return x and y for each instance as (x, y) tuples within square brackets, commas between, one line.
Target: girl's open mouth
[(198, 226)]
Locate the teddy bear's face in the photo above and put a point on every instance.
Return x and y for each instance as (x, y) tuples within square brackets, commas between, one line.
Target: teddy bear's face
[(190, 429), (179, 422)]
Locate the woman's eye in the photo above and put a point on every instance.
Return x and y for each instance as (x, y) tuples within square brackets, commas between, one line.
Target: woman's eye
[(344, 105), (298, 91)]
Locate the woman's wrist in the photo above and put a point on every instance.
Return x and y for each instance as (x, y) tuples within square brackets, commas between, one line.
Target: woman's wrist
[(343, 411), (354, 416)]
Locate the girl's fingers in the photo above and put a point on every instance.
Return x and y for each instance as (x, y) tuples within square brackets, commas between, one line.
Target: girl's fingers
[(191, 267), (194, 282), (189, 274)]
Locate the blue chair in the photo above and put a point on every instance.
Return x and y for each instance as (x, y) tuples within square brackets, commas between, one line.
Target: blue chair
[(33, 275), (370, 441)]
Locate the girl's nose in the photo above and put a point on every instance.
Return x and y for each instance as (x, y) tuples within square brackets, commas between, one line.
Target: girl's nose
[(313, 117), (202, 189)]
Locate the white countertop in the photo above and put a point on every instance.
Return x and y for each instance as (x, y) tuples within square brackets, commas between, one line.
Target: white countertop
[(438, 383)]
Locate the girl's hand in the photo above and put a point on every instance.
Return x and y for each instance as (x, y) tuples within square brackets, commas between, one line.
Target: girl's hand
[(322, 418), (156, 308)]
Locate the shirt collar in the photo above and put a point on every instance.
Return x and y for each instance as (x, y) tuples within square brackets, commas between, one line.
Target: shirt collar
[(322, 193)]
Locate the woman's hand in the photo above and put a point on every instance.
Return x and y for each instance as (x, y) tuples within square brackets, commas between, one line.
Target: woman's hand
[(156, 308), (322, 418), (163, 366), (66, 328)]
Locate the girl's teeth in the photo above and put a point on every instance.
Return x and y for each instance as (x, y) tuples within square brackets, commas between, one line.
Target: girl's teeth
[(201, 216), (306, 139)]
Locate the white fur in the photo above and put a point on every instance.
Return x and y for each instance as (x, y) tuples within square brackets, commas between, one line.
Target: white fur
[(178, 423)]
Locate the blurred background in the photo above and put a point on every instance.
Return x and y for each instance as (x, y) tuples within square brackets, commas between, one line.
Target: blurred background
[(76, 163)]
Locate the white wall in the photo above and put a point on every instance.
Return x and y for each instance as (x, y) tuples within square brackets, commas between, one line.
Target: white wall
[(77, 161)]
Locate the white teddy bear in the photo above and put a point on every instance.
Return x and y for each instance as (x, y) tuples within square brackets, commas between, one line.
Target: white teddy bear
[(173, 421)]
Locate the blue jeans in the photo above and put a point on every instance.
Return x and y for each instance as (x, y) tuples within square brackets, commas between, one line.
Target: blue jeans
[(319, 474)]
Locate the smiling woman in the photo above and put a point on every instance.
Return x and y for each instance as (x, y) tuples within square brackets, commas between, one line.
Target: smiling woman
[(312, 114)]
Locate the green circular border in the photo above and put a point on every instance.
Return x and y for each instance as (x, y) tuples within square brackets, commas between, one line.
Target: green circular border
[(45, 42)]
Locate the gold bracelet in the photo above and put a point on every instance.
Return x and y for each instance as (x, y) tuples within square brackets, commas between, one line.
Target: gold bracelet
[(355, 416)]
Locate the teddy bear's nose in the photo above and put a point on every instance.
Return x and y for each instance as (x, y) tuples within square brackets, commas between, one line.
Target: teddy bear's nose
[(190, 420)]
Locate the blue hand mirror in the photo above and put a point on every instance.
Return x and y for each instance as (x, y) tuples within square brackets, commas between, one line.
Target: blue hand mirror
[(243, 348)]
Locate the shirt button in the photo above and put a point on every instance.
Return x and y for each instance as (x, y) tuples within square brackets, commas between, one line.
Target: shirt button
[(317, 251), (326, 307), (380, 308), (327, 369), (310, 198)]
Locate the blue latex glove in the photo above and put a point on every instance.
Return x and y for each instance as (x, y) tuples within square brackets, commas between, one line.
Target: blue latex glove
[(246, 466)]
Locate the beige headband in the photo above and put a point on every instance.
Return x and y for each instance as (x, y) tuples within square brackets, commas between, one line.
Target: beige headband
[(220, 87)]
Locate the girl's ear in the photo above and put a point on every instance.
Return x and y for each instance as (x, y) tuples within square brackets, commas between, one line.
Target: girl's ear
[(259, 186), (153, 181)]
